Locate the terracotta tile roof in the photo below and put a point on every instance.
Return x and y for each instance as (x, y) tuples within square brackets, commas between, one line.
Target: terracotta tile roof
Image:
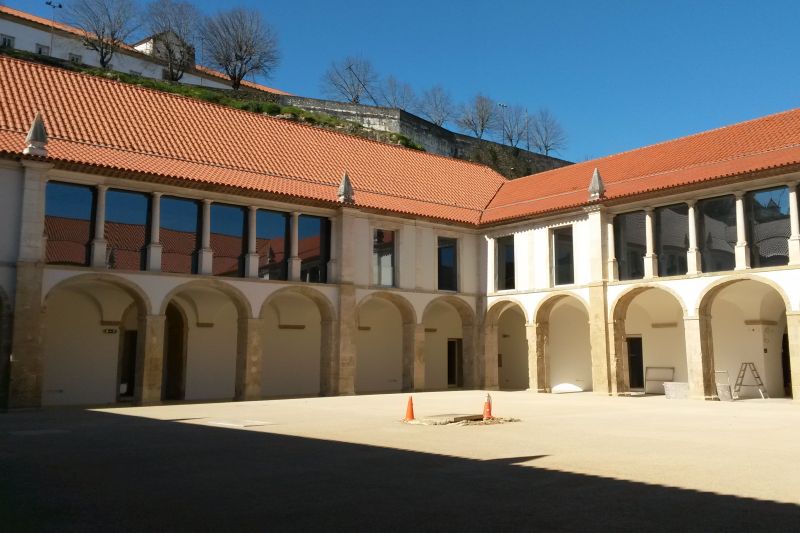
[(102, 123), (130, 49), (764, 143)]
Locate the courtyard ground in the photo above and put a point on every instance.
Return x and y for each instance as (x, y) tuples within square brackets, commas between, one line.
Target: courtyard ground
[(579, 462)]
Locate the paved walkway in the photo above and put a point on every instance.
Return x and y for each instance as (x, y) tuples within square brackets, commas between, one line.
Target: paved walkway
[(573, 463)]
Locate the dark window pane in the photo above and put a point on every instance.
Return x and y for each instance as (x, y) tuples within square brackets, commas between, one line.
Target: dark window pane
[(314, 248), (672, 239), (563, 273), (69, 212), (272, 244), (127, 229), (228, 239), (716, 233), (630, 244), (180, 223), (768, 227), (505, 263), (448, 264), (383, 258)]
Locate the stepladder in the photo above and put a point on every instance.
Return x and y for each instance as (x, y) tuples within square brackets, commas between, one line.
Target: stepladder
[(759, 384)]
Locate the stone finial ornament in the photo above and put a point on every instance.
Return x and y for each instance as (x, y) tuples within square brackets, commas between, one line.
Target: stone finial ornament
[(36, 141), (346, 194), (597, 189)]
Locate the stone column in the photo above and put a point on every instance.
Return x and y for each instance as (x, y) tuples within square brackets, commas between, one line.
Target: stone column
[(618, 358), (99, 245), (534, 374), (329, 359), (650, 257), (693, 257), (249, 348), (541, 346), (154, 248), (598, 338), (150, 359), (793, 331), (469, 356), (612, 271), (206, 254), (699, 357), (794, 220), (251, 261), (294, 247), (490, 377), (413, 357), (347, 324), (742, 250)]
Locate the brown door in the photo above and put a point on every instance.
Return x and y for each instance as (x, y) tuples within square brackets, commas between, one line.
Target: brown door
[(174, 355)]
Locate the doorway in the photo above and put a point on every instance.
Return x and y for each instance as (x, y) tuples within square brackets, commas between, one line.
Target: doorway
[(127, 366), (174, 382), (455, 363), (786, 368), (635, 363)]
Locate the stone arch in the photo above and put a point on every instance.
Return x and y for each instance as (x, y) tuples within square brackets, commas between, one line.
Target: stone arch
[(237, 297), (461, 307), (326, 356), (545, 307), (714, 288), (620, 369), (142, 300), (498, 307), (441, 368), (401, 303), (488, 373)]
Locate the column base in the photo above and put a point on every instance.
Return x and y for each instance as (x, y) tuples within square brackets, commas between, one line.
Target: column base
[(694, 261), (794, 251), (294, 268), (205, 263), (251, 265), (154, 257), (742, 257), (99, 254), (650, 266)]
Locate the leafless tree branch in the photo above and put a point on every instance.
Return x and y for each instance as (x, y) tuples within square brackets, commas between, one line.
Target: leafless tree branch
[(106, 24), (350, 80), (174, 26), (547, 135), (436, 105), (479, 116), (398, 95)]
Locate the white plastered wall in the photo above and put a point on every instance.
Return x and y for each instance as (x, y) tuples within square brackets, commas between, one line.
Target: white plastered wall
[(10, 215), (379, 349), (512, 345), (569, 351), (445, 320)]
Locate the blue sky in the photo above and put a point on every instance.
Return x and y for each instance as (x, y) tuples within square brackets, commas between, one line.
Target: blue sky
[(617, 74)]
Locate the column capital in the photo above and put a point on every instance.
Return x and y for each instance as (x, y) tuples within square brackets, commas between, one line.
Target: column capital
[(252, 208), (157, 194), (692, 202), (649, 210), (102, 187), (207, 201), (739, 194)]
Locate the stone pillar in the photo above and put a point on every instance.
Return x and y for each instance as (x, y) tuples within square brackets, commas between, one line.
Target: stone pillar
[(150, 359), (469, 356), (249, 348), (413, 357), (535, 366), (154, 248), (612, 270), (598, 338), (742, 250), (329, 359), (793, 331), (251, 261), (650, 257), (618, 358), (205, 264), (347, 324), (699, 357), (294, 247), (794, 219), (693, 258), (99, 245), (541, 347), (489, 374)]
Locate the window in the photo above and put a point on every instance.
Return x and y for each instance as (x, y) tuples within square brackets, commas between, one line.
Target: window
[(127, 229), (42, 49), (6, 41), (69, 213), (228, 231), (180, 224), (768, 228), (563, 268), (671, 239), (314, 248), (630, 244), (383, 257), (76, 58), (447, 257), (716, 233), (135, 72), (272, 244), (505, 263)]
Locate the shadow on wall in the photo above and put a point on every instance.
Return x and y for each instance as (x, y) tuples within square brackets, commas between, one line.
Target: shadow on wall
[(133, 474)]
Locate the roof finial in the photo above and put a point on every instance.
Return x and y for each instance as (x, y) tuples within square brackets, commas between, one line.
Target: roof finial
[(36, 140), (597, 189), (345, 193)]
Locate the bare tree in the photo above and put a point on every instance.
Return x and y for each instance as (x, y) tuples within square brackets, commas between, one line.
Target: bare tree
[(397, 94), (240, 43), (478, 116), (174, 27), (547, 135), (350, 79), (436, 105), (514, 124), (106, 24)]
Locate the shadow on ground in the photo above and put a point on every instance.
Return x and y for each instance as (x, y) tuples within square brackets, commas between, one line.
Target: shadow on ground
[(86, 471)]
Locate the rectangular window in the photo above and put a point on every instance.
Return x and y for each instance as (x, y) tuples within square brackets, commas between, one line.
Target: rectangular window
[(180, 225), (68, 223), (768, 227), (630, 244), (76, 58), (6, 41), (314, 248), (383, 257), (127, 229), (672, 239), (716, 233), (228, 239), (505, 263), (135, 72), (42, 49), (563, 267), (272, 244), (447, 257)]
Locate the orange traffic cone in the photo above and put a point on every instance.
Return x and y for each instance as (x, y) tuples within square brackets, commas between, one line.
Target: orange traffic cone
[(487, 408), (409, 410)]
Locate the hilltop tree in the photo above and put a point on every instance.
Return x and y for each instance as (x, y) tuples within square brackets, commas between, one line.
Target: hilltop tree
[(478, 116), (239, 42), (106, 25), (547, 135), (350, 80), (514, 124), (436, 105), (397, 94), (174, 25)]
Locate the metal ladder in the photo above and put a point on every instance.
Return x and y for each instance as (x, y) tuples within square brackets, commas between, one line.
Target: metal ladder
[(740, 380)]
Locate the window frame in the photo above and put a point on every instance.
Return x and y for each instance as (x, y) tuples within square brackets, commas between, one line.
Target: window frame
[(553, 255), (497, 262), (374, 281), (457, 253), (39, 47), (10, 39)]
